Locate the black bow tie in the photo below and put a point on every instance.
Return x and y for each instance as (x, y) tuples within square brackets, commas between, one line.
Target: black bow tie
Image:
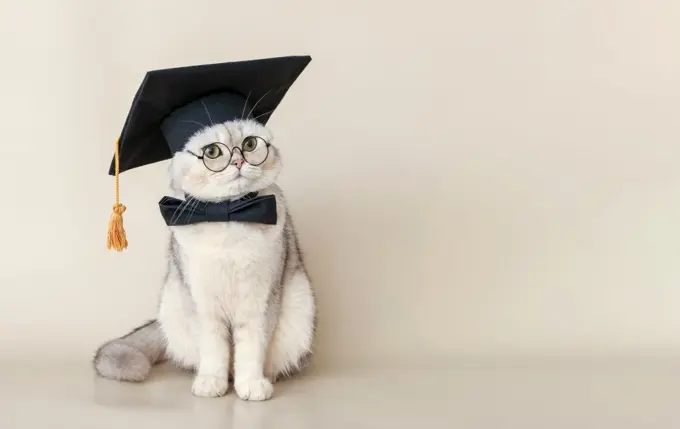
[(250, 208)]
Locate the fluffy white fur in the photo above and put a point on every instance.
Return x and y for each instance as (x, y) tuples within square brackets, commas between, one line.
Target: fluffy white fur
[(236, 299)]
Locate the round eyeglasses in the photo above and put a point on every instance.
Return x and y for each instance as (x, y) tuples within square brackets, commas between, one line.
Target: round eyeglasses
[(217, 156)]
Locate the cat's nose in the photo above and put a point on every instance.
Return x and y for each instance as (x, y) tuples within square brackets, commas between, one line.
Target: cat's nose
[(238, 162)]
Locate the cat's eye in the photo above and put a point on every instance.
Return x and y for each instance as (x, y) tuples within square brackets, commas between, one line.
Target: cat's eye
[(250, 144), (212, 151), (217, 156), (255, 150)]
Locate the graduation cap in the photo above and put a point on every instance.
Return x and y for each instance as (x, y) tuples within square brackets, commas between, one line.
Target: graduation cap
[(173, 104)]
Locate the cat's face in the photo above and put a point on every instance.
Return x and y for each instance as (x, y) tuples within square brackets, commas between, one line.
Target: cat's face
[(216, 177)]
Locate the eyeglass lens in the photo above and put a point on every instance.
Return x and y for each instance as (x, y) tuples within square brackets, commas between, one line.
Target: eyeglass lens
[(253, 150)]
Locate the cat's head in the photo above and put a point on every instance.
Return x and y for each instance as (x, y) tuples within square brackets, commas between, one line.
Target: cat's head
[(205, 169)]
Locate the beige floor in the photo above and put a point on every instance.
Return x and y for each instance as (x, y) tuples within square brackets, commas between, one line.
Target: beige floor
[(617, 394)]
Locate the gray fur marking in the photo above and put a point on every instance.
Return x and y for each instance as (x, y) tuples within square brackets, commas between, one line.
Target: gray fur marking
[(130, 357)]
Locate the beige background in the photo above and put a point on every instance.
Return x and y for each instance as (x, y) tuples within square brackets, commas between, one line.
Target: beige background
[(479, 178)]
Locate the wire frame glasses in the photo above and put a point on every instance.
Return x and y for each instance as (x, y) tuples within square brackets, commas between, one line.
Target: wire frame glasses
[(217, 156)]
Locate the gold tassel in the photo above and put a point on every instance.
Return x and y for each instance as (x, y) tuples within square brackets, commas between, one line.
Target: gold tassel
[(116, 238)]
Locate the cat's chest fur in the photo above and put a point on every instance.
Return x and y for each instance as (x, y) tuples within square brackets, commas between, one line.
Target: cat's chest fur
[(232, 243), (229, 260)]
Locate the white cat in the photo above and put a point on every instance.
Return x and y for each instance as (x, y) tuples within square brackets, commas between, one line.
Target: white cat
[(236, 301)]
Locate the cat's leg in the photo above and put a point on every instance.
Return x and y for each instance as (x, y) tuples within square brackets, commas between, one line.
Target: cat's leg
[(251, 332), (177, 320), (212, 373), (291, 343)]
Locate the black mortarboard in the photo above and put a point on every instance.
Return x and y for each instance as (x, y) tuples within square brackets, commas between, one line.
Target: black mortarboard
[(172, 104)]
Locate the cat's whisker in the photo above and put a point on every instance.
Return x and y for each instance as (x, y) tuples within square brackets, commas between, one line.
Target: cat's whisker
[(193, 207), (172, 219), (262, 114), (245, 104), (258, 102), (188, 204), (207, 113), (195, 122), (179, 208), (280, 88)]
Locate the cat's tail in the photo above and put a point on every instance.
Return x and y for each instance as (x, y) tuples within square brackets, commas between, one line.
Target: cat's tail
[(130, 357)]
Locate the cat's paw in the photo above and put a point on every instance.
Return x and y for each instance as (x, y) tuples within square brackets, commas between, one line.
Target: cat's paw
[(254, 389), (209, 386)]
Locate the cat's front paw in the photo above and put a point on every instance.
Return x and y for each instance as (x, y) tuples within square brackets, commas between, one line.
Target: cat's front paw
[(254, 389), (209, 385)]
